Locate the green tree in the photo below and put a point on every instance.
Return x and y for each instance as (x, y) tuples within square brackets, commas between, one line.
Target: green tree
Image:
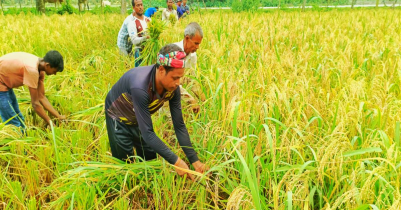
[(40, 6)]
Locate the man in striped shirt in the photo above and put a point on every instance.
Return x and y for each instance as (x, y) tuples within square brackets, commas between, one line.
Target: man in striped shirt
[(132, 33)]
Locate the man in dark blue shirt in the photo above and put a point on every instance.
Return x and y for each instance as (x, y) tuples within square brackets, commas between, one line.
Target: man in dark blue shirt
[(179, 11), (139, 93)]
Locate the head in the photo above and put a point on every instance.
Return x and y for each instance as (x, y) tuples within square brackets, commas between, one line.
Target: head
[(169, 77), (193, 36), (53, 62), (184, 2), (138, 7), (157, 8), (169, 4), (179, 2)]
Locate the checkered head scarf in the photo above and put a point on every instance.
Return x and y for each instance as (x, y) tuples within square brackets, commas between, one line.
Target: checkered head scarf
[(174, 59)]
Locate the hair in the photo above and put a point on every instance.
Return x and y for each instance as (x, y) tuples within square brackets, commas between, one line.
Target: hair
[(157, 8), (166, 50), (133, 2), (55, 60), (192, 29)]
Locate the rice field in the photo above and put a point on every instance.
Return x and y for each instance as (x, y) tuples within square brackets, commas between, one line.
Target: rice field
[(302, 110)]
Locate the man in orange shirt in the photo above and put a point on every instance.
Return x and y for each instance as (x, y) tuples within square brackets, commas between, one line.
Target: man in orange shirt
[(20, 68)]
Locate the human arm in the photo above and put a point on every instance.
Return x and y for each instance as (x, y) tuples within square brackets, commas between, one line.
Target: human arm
[(180, 128), (43, 99), (179, 12), (140, 99), (37, 106), (133, 34)]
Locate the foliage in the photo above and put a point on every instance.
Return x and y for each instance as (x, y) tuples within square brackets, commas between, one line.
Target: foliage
[(302, 110), (245, 5), (172, 19), (67, 8)]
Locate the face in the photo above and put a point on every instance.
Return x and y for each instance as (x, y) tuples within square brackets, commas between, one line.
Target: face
[(170, 4), (192, 44), (138, 8), (171, 80), (179, 3), (50, 70), (185, 2)]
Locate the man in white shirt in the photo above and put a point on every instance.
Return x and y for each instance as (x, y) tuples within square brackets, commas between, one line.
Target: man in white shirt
[(132, 32), (167, 12), (193, 36)]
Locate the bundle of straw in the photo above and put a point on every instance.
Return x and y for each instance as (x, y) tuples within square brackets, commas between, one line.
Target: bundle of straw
[(172, 19), (153, 44)]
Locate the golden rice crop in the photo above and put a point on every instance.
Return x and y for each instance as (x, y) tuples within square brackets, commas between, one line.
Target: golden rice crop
[(302, 111)]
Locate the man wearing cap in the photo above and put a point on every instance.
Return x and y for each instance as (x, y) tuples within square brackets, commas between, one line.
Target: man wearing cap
[(138, 94), (20, 68)]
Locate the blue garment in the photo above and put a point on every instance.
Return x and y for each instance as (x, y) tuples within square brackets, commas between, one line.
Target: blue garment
[(150, 11), (179, 12), (184, 8), (9, 109)]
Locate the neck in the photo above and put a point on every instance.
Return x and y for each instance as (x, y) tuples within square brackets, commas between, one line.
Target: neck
[(138, 16), (158, 84), (41, 65)]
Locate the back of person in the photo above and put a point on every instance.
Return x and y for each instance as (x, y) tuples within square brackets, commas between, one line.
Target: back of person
[(150, 12), (179, 11), (137, 78), (17, 69)]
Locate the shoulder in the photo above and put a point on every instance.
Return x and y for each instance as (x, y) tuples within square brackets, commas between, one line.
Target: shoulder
[(30, 61), (129, 18), (13, 60), (180, 44), (139, 77)]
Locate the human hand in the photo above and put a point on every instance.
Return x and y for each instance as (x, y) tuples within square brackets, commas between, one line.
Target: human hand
[(195, 108), (181, 164), (200, 167), (62, 117)]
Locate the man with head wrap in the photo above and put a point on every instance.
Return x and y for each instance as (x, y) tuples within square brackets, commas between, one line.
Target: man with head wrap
[(138, 94)]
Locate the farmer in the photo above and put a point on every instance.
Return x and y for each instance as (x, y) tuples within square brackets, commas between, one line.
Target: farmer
[(179, 11), (185, 7), (20, 68), (151, 11), (132, 32), (138, 94), (167, 12), (193, 36)]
